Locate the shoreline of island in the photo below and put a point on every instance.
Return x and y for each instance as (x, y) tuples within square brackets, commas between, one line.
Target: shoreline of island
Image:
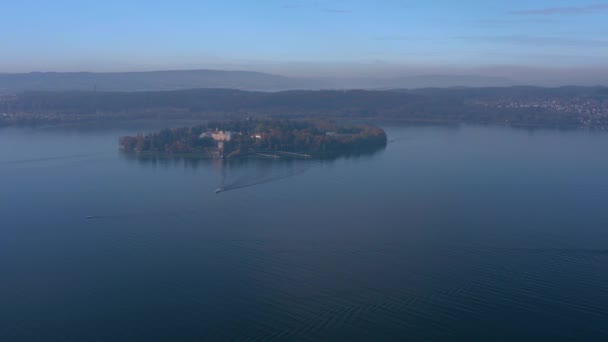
[(274, 138)]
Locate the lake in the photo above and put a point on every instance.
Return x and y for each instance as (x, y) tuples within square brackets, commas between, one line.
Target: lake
[(459, 232)]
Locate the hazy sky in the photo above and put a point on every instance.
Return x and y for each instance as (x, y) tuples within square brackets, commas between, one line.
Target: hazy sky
[(335, 37)]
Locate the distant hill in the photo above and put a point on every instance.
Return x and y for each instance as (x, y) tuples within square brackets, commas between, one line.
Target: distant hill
[(241, 80), (442, 81), (424, 81), (151, 81)]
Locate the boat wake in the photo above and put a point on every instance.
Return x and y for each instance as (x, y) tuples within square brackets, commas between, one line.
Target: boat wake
[(175, 214), (262, 175), (46, 159)]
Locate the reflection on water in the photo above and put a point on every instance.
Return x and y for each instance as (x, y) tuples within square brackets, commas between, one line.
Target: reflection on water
[(193, 161), (246, 171)]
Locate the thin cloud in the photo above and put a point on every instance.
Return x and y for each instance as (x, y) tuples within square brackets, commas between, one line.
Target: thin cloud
[(315, 7), (540, 40), (564, 10), (393, 37), (337, 11), (500, 23)]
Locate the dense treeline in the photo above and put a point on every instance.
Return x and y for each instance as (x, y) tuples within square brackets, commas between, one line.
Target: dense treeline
[(422, 105), (307, 136), (174, 140)]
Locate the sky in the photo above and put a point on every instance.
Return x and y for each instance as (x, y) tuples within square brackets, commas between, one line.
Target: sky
[(334, 38)]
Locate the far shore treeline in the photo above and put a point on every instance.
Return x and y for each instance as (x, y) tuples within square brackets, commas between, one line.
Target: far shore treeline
[(314, 137), (567, 107)]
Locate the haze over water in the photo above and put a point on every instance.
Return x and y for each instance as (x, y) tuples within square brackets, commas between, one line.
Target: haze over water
[(450, 232)]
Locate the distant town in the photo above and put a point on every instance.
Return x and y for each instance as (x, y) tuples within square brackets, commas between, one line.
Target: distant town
[(590, 112)]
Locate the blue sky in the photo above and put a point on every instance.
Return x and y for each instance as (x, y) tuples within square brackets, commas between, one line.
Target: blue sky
[(303, 37)]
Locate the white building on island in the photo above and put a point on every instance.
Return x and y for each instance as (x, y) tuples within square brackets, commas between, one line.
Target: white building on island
[(222, 135), (218, 135)]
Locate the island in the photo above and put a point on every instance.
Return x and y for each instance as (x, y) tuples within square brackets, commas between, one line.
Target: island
[(307, 138)]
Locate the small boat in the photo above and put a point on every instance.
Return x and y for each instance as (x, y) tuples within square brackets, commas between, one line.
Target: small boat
[(218, 190), (91, 217)]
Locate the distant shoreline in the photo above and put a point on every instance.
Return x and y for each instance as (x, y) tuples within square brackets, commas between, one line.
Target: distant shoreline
[(512, 106)]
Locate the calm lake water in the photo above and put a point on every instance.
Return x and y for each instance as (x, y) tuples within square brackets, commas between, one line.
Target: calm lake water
[(449, 233)]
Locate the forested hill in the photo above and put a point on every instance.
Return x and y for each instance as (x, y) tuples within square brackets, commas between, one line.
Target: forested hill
[(223, 100), (567, 106)]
